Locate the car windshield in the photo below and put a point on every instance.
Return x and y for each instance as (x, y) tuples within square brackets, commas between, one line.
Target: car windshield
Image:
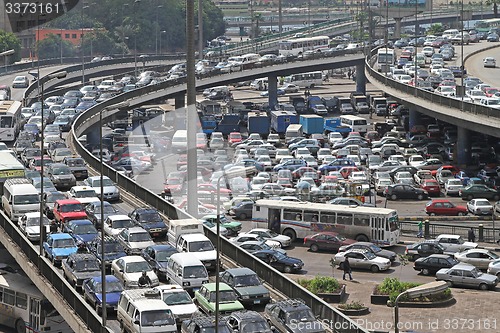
[(85, 229), (246, 280), (157, 318), (493, 255), (374, 248), (35, 221), (75, 163), (300, 316), (225, 296), (177, 298), (76, 207), (165, 254), (108, 209), (195, 272), (200, 246), (58, 243), (252, 326), (84, 194), (87, 266), (139, 237), (138, 266), (61, 171), (111, 287), (150, 217), (117, 224), (370, 255), (26, 199), (106, 182), (112, 248)]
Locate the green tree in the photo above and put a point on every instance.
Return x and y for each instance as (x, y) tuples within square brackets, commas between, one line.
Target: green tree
[(435, 29), (9, 41), (50, 48)]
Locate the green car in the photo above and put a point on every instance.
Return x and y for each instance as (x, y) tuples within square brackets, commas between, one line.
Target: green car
[(205, 298), (232, 227), (479, 191)]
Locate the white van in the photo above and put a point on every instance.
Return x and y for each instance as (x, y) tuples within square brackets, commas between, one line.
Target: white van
[(19, 197), (259, 84), (200, 247), (250, 58), (179, 141), (143, 310), (450, 33), (180, 227), (293, 131), (186, 270)]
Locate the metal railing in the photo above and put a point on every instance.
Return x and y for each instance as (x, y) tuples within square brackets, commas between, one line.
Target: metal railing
[(484, 234)]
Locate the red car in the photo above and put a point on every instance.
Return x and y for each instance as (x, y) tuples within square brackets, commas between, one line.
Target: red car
[(182, 161), (67, 210), (174, 185), (327, 240), (432, 187), (444, 207), (296, 174), (212, 189), (234, 137)]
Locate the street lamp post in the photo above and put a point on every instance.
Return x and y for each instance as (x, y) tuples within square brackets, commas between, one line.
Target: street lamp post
[(81, 46), (103, 234), (5, 54), (156, 30), (135, 42), (161, 34), (427, 289), (58, 75)]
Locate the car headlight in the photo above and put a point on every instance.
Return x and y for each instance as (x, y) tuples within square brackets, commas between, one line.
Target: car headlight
[(298, 265), (186, 284)]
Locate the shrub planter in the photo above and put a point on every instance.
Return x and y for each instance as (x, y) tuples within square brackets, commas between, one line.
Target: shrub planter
[(434, 304), (379, 299), (334, 297), (352, 312)]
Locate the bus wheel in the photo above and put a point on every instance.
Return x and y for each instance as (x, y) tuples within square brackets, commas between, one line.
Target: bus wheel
[(290, 233), (362, 238), (20, 326)]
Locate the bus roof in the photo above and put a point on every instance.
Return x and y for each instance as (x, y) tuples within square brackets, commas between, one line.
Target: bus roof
[(20, 283), (321, 207), (9, 162), (9, 106), (305, 39)]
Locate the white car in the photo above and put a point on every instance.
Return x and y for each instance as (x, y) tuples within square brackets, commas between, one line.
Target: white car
[(111, 191), (178, 301), (242, 238), (83, 194), (29, 224), (446, 91), (134, 239), (415, 160), (114, 224), (129, 269), (269, 234), (364, 259), (453, 186), (480, 207), (489, 62)]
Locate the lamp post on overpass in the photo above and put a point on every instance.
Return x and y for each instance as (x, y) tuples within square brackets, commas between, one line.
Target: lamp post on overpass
[(58, 75), (103, 234)]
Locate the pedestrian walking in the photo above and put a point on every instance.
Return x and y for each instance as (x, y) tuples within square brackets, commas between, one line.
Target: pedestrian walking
[(347, 268), (471, 236), (349, 73), (420, 233)]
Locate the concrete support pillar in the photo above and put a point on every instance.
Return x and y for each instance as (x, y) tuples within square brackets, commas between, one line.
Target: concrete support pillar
[(414, 118), (360, 78), (397, 28), (272, 87), (180, 101), (463, 147), (93, 136)]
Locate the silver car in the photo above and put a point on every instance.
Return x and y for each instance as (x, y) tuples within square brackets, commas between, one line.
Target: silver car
[(466, 275), (480, 258), (494, 268), (111, 191)]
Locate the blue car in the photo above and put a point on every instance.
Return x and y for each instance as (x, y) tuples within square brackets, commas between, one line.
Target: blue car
[(32, 128), (335, 165), (81, 230), (92, 292), (157, 257), (58, 247)]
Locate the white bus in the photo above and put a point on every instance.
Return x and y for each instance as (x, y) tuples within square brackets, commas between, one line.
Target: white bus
[(25, 308), (296, 46), (298, 220), (10, 120), (10, 167), (306, 80), (355, 123), (385, 59)]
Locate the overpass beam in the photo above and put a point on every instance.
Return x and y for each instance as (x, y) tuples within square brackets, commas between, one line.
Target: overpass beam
[(463, 149), (272, 86), (397, 27), (360, 78)]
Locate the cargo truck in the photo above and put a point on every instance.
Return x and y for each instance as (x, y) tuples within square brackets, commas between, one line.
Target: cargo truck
[(345, 105), (360, 104), (281, 119), (230, 123), (311, 124), (379, 105), (335, 125), (299, 103), (258, 122)]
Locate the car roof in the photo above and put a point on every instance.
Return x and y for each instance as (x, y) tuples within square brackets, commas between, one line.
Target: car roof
[(239, 271), (222, 286), (61, 235), (67, 202)]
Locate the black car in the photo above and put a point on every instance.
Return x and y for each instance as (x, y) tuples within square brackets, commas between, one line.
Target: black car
[(93, 211), (202, 323), (242, 211), (79, 267), (49, 199), (77, 166), (286, 314), (423, 249), (279, 261), (247, 286), (157, 257), (403, 191), (403, 168), (433, 263), (112, 250), (151, 220)]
